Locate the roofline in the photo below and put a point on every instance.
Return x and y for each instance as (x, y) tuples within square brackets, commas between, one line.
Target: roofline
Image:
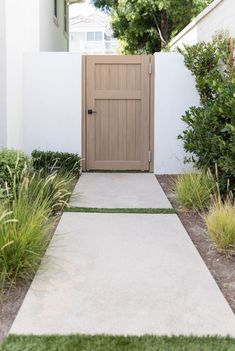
[(70, 2), (192, 24)]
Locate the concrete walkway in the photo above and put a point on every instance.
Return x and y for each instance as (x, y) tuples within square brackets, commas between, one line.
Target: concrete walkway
[(123, 274), (119, 190)]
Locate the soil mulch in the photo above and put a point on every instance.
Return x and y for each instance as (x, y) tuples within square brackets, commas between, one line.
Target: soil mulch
[(221, 266), (10, 302)]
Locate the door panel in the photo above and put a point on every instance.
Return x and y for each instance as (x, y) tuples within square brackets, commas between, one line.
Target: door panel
[(118, 91)]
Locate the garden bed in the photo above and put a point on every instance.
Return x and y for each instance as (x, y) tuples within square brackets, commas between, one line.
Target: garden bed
[(11, 299), (37, 189), (221, 266)]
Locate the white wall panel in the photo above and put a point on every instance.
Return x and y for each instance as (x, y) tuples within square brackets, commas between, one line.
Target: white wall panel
[(52, 102), (175, 92)]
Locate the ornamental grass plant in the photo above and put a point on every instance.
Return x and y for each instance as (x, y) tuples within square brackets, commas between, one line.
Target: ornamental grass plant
[(220, 222), (194, 190), (26, 222), (220, 219)]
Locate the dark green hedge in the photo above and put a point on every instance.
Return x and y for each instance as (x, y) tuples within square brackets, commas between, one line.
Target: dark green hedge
[(51, 160)]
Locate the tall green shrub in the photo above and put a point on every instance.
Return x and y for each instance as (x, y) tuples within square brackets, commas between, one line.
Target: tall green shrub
[(209, 137)]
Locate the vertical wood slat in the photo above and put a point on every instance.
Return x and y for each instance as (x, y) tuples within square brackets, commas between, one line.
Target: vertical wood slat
[(231, 48), (151, 105), (118, 89)]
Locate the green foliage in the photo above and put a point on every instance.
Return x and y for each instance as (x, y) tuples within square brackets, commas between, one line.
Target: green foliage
[(117, 343), (26, 222), (209, 137), (49, 160), (12, 162), (194, 190), (145, 26), (220, 223)]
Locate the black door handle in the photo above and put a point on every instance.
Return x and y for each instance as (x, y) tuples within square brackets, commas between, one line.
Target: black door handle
[(90, 112)]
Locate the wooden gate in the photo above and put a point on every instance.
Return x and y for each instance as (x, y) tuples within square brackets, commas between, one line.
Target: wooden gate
[(117, 112)]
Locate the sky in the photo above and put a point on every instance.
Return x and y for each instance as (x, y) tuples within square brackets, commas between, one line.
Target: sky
[(84, 9)]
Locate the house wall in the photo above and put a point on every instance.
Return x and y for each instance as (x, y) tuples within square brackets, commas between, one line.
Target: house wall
[(175, 92), (22, 34), (26, 26), (52, 102), (2, 75), (52, 36), (218, 16)]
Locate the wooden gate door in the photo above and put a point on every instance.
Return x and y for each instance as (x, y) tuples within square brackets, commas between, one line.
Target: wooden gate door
[(117, 112)]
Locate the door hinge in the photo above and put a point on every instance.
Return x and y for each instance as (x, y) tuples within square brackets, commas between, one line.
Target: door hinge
[(150, 156), (150, 68)]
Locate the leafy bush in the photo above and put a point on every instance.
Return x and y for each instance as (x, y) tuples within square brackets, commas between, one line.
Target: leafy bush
[(210, 133), (47, 160), (220, 223), (25, 222), (194, 190), (12, 162)]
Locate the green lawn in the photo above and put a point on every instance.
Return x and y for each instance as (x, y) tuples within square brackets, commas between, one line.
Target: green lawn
[(111, 343), (121, 210)]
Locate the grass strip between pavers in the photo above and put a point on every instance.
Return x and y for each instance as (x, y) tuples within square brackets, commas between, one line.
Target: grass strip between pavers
[(116, 343), (121, 210)]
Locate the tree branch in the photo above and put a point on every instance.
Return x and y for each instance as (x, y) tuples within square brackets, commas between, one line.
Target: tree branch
[(159, 31)]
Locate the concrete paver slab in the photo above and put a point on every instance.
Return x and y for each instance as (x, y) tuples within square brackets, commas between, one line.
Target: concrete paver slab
[(119, 190), (123, 274)]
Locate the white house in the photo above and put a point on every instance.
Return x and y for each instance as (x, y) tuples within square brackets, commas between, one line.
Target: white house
[(25, 26), (90, 31), (218, 16)]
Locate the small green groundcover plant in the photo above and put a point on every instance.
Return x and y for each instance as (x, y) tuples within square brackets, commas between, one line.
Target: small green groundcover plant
[(194, 190), (11, 162), (209, 137), (116, 343), (49, 160)]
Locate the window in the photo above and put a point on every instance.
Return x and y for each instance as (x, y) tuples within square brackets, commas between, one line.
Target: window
[(107, 37), (66, 17), (94, 36), (56, 12)]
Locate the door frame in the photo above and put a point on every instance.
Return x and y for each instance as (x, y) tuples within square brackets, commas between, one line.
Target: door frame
[(151, 112)]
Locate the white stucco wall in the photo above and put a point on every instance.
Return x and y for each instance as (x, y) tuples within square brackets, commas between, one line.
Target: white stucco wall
[(52, 36), (2, 75), (22, 23), (27, 26), (52, 102), (175, 92), (52, 106), (218, 16)]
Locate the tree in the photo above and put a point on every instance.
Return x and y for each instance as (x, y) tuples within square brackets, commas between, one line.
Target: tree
[(146, 26)]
